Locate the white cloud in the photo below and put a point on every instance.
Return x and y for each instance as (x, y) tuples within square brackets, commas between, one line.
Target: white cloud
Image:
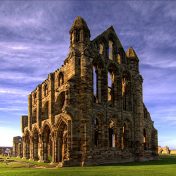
[(20, 92)]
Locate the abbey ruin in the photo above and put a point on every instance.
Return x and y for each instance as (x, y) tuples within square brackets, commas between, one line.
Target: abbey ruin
[(91, 110)]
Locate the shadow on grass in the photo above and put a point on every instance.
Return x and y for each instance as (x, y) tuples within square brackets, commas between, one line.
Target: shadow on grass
[(163, 160)]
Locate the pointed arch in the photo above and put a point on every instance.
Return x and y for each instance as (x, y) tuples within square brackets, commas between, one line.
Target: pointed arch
[(47, 142), (111, 133), (35, 134), (126, 91), (97, 67), (127, 134), (63, 136), (60, 79), (112, 72), (45, 111), (59, 103)]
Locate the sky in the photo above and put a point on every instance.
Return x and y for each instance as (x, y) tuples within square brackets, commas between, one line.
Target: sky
[(34, 41)]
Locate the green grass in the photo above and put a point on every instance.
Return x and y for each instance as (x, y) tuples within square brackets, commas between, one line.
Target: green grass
[(166, 166)]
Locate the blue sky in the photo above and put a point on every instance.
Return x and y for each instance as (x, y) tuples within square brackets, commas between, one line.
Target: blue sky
[(34, 41)]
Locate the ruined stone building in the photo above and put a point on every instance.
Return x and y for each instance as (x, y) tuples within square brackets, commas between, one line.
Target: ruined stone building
[(91, 110), (17, 146)]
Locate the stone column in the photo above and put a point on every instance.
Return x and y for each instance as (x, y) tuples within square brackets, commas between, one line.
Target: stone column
[(31, 148), (53, 138), (139, 116), (99, 85), (29, 111), (39, 105), (51, 97), (40, 148), (119, 93), (54, 151), (24, 147)]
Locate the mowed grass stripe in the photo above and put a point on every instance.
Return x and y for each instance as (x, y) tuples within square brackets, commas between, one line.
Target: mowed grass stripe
[(166, 166)]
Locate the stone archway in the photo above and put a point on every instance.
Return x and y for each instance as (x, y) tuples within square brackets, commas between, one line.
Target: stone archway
[(35, 144), (47, 144), (63, 137)]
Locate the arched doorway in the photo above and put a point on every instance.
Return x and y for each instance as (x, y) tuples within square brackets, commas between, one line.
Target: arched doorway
[(111, 134), (47, 144), (35, 144), (62, 142), (59, 104)]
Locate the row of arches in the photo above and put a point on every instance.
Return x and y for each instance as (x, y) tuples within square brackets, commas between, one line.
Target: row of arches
[(114, 85), (47, 145)]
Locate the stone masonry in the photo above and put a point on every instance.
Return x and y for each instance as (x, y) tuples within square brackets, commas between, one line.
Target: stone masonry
[(91, 110), (17, 146)]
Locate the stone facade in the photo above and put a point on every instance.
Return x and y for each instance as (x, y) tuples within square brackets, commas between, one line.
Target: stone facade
[(17, 146), (91, 110)]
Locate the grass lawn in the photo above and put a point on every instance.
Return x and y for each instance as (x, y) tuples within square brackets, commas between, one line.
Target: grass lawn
[(166, 166)]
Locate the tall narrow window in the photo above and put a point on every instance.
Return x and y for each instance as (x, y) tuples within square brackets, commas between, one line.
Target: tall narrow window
[(34, 116), (144, 139), (77, 35), (118, 59), (110, 88), (59, 104), (60, 78), (45, 89), (124, 136), (45, 111), (95, 83), (101, 49), (111, 134), (110, 50), (126, 92)]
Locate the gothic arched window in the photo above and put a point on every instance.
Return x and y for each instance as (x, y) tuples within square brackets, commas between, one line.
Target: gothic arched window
[(45, 89), (96, 80), (110, 88), (77, 35), (145, 139), (126, 92), (95, 83), (110, 50), (111, 134), (101, 48), (60, 79)]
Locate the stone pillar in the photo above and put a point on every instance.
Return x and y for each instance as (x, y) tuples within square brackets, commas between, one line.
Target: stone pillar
[(20, 150), (31, 148), (40, 148), (99, 84), (29, 111), (39, 105), (53, 138), (119, 93), (51, 98), (24, 147), (139, 116)]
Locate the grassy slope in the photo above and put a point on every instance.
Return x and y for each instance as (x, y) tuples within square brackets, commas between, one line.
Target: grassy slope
[(166, 166)]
